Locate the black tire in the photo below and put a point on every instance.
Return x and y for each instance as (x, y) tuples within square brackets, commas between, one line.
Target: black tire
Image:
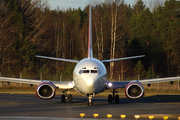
[(110, 99), (117, 99), (62, 98), (70, 98)]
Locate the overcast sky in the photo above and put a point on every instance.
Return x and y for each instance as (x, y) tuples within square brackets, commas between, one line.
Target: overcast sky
[(65, 4)]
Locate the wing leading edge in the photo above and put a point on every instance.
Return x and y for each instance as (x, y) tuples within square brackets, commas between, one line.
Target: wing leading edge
[(58, 84), (123, 84), (159, 80)]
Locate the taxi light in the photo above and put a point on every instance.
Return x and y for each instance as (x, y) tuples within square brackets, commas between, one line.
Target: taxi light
[(136, 116), (151, 117), (123, 116), (109, 115), (166, 117), (96, 115), (82, 114)]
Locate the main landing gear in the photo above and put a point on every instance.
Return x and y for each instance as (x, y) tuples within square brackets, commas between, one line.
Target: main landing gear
[(65, 97), (113, 97)]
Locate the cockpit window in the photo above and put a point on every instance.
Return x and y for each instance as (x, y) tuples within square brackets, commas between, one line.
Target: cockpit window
[(89, 71), (99, 71), (93, 71), (85, 71), (80, 72)]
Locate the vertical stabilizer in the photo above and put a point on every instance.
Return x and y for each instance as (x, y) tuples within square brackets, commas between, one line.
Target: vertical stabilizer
[(90, 51)]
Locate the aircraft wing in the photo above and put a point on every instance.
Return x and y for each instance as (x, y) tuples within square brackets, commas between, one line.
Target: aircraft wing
[(159, 80), (58, 84), (117, 84), (123, 84)]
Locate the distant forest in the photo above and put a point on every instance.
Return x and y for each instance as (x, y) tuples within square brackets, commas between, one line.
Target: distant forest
[(29, 28)]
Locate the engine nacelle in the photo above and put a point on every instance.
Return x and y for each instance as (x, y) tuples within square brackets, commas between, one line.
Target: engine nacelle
[(45, 90), (134, 90)]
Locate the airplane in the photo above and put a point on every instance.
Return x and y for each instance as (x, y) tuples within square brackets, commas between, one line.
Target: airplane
[(89, 79)]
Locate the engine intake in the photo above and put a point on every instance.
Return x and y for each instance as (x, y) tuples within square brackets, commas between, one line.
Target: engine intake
[(134, 90), (45, 90)]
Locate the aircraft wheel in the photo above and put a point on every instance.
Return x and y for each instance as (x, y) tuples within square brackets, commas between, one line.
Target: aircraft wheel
[(110, 99), (117, 99), (70, 98), (63, 98)]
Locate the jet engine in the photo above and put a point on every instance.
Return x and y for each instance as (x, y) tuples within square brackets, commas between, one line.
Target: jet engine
[(45, 90), (134, 90)]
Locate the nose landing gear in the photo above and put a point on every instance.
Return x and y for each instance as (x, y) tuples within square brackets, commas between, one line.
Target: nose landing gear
[(90, 101)]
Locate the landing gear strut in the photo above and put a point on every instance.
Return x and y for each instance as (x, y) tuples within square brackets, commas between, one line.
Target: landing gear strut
[(90, 101), (113, 97), (65, 97)]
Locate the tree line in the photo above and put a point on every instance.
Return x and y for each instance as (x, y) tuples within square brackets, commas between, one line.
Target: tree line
[(30, 27)]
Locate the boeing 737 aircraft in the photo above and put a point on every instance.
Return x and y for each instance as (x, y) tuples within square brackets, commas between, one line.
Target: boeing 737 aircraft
[(89, 78)]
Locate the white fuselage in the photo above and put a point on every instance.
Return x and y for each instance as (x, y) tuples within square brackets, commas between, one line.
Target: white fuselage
[(90, 76)]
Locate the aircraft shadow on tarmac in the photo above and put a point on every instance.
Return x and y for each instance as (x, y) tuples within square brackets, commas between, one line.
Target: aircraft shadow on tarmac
[(7, 99), (150, 99)]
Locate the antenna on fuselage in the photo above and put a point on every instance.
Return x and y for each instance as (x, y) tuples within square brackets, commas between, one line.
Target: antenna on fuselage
[(90, 51)]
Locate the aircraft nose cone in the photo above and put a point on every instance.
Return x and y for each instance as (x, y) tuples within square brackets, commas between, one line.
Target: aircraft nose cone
[(90, 82), (91, 85)]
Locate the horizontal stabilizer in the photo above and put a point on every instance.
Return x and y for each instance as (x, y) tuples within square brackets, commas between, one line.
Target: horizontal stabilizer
[(60, 59), (124, 58)]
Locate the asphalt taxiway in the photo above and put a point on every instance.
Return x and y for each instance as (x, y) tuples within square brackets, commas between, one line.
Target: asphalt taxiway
[(29, 105)]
